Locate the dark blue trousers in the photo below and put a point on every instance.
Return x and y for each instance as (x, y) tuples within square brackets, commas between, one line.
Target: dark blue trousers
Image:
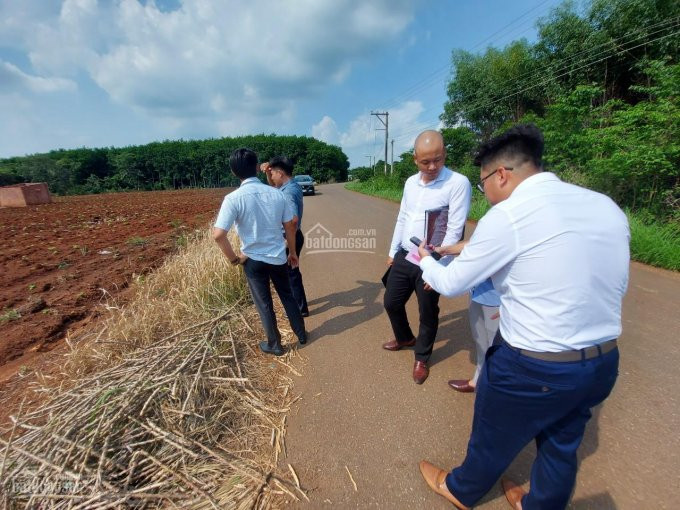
[(259, 275), (520, 399), (296, 276)]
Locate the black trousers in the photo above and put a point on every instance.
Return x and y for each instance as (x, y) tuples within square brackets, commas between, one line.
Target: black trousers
[(296, 276), (403, 280), (259, 274)]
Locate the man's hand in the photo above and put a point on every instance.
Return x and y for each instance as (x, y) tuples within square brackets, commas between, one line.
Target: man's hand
[(264, 167), (293, 260), (422, 251), (427, 286), (454, 249), (390, 261)]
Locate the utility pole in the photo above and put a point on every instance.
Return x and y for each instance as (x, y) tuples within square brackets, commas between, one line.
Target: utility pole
[(392, 159), (385, 123)]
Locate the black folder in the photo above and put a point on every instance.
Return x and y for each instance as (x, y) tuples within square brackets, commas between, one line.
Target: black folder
[(385, 276)]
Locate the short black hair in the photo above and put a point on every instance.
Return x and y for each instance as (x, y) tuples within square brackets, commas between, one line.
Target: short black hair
[(283, 163), (243, 163), (523, 142)]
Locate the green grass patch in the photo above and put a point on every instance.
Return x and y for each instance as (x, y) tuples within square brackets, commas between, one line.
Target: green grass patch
[(478, 206), (137, 241), (9, 315), (652, 242), (383, 188)]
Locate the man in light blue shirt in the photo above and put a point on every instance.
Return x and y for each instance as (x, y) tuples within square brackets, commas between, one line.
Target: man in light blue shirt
[(258, 211)]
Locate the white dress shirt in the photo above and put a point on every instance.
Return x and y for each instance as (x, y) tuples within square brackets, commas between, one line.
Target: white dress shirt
[(448, 189), (558, 254)]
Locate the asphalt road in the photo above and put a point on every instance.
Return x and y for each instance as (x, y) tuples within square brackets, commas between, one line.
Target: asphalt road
[(361, 412)]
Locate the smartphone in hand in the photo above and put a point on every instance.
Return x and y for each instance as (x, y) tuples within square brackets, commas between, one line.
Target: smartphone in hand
[(416, 241)]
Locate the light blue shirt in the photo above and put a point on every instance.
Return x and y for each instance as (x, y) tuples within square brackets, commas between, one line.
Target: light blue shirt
[(258, 210), (293, 194), (485, 294)]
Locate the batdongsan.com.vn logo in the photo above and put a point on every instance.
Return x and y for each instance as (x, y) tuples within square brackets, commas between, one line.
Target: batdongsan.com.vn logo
[(319, 239)]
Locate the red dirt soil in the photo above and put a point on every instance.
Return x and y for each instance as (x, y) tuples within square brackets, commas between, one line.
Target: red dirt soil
[(61, 261)]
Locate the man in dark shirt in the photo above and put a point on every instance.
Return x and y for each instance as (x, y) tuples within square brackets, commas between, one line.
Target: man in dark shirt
[(279, 173)]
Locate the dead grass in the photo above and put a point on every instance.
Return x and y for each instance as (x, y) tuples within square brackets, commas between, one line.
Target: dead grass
[(169, 405)]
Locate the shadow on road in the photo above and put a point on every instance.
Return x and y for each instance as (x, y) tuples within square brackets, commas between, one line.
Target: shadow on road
[(602, 501), (363, 300), (453, 336)]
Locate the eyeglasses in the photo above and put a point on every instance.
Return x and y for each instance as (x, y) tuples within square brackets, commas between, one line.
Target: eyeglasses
[(480, 185)]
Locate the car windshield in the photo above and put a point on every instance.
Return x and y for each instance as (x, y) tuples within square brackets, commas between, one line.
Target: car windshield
[(303, 178)]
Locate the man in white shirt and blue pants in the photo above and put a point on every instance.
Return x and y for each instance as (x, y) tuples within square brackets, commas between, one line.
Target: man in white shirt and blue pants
[(558, 255)]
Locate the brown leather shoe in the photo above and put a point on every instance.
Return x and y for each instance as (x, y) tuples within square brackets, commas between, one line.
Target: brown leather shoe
[(435, 478), (420, 372), (513, 493), (462, 385), (393, 345)]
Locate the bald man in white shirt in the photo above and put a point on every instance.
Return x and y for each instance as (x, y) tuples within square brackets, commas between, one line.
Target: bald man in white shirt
[(558, 255), (433, 186)]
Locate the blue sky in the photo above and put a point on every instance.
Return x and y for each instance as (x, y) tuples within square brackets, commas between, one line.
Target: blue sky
[(88, 73)]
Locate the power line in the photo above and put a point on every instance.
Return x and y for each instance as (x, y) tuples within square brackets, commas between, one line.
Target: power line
[(434, 79), (563, 68), (430, 80)]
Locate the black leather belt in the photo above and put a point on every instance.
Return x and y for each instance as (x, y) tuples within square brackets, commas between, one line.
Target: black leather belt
[(564, 356)]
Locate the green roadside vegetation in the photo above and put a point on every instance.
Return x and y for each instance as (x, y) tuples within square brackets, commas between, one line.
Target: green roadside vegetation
[(168, 165), (602, 82)]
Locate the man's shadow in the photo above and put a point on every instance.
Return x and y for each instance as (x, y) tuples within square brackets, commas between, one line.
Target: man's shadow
[(453, 335), (362, 300)]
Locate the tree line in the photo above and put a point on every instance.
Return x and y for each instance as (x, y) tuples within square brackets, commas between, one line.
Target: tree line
[(168, 164), (602, 82)]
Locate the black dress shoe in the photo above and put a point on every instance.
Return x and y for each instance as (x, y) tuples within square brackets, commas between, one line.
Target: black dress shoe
[(277, 350)]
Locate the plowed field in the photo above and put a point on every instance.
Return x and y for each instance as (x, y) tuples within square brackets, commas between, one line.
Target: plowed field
[(60, 262)]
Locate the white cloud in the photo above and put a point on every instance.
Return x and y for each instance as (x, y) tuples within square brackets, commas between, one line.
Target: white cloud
[(326, 130), (360, 139), (204, 61), (13, 79)]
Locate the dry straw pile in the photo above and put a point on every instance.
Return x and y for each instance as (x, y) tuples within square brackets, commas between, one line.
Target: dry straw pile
[(169, 406)]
